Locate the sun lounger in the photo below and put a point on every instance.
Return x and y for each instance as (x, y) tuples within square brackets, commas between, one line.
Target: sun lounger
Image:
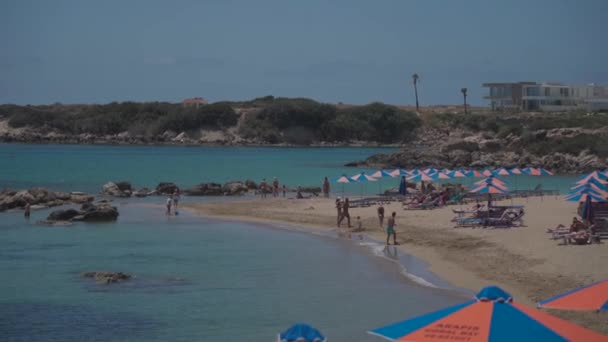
[(422, 206), (558, 233)]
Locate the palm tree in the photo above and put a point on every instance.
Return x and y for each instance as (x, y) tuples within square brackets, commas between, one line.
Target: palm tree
[(415, 77), (464, 94)]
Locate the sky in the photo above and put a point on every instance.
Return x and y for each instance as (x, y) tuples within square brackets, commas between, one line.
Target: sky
[(351, 51)]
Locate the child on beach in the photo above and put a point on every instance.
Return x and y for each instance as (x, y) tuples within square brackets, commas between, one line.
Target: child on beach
[(390, 229)]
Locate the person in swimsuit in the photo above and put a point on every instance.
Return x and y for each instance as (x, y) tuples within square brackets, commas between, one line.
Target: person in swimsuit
[(390, 229), (26, 213), (381, 216), (326, 187), (339, 211), (175, 200), (284, 190), (345, 213), (263, 186), (275, 187)]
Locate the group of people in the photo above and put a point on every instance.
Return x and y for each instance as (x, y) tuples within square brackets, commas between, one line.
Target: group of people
[(265, 188), (390, 225), (172, 202)]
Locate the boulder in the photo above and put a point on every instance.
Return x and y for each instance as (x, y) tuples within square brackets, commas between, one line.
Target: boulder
[(79, 197), (143, 192), (120, 189), (166, 188), (234, 188), (63, 215), (205, 189), (97, 213), (251, 185), (107, 277)]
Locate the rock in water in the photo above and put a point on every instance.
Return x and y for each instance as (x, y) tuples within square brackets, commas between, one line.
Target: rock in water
[(121, 189), (99, 212), (107, 277), (166, 188), (143, 192), (63, 215)]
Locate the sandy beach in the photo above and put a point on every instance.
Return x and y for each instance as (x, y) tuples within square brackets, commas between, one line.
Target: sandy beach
[(525, 260)]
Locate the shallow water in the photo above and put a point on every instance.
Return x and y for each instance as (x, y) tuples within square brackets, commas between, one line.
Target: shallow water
[(197, 279)]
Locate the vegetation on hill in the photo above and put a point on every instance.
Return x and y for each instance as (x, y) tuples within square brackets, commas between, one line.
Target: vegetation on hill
[(268, 119)]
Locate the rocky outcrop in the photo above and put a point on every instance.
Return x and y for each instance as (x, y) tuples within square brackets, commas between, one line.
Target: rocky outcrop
[(40, 198), (112, 189), (205, 189), (251, 185), (215, 189), (89, 212), (107, 277), (63, 215), (166, 188), (234, 188)]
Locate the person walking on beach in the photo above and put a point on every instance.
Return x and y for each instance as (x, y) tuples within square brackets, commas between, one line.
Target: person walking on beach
[(345, 213), (275, 187), (263, 186), (27, 208), (326, 187), (284, 190), (390, 229), (339, 211), (175, 200), (381, 215), (169, 202)]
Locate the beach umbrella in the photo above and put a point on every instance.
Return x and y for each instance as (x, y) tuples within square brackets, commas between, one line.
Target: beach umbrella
[(489, 189), (582, 197), (600, 190), (593, 182), (420, 178), (301, 330), (515, 171), (457, 174), (487, 172), (590, 297), (439, 175), (430, 170), (363, 178), (414, 172), (344, 179), (491, 316), (381, 174), (501, 172), (400, 172), (544, 172), (475, 173), (598, 176)]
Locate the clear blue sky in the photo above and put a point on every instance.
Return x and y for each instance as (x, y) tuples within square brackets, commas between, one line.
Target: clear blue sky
[(354, 51)]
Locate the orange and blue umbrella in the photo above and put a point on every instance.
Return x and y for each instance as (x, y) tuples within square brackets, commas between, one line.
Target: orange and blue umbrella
[(400, 172), (382, 173), (593, 176), (582, 197), (363, 177), (590, 297), (501, 172), (516, 171), (457, 174), (344, 179), (487, 172), (489, 189), (593, 184), (474, 173), (492, 316)]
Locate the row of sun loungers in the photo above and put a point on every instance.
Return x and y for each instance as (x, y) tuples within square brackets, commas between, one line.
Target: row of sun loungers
[(511, 217)]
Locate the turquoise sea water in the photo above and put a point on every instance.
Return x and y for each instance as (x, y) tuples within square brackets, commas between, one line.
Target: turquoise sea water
[(87, 167), (196, 279)]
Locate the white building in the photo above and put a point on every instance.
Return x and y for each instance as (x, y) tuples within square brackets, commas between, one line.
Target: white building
[(551, 97)]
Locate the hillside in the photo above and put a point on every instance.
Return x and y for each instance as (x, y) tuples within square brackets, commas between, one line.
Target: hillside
[(440, 136)]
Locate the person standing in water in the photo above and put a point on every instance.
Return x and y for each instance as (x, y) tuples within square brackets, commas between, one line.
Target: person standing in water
[(175, 200), (326, 187), (390, 229), (339, 211), (27, 208)]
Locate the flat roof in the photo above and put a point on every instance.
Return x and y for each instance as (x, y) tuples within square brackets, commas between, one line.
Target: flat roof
[(494, 84)]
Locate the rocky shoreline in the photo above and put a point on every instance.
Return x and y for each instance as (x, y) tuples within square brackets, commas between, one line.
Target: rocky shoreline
[(450, 149)]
